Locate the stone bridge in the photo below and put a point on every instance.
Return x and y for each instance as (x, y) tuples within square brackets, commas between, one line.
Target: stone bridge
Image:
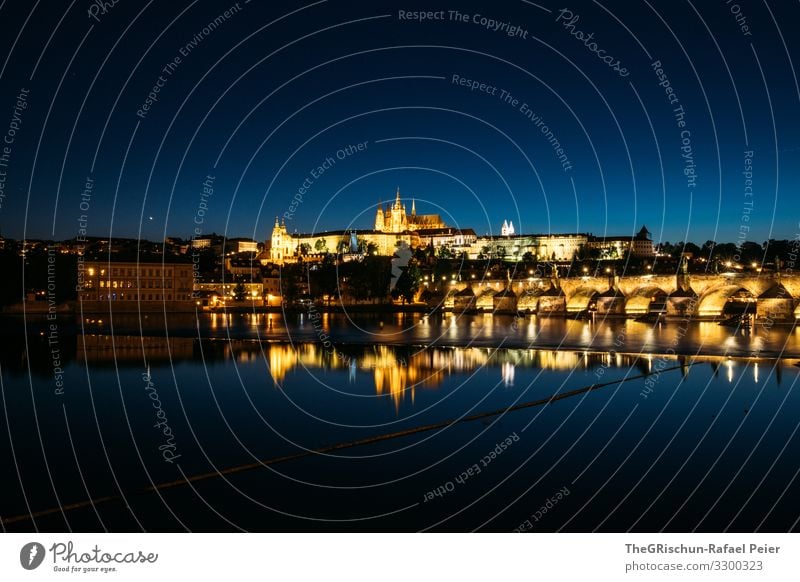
[(772, 295)]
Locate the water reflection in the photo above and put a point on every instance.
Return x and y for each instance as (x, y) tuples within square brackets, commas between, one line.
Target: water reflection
[(395, 370)]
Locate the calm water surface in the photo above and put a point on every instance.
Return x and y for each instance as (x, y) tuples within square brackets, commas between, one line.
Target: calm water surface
[(706, 442)]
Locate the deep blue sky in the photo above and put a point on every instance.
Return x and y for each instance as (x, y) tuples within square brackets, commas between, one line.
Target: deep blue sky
[(234, 109)]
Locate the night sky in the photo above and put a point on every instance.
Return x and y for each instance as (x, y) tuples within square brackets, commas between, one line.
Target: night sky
[(262, 98)]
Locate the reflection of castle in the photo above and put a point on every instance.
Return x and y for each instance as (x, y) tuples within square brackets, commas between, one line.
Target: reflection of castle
[(398, 375)]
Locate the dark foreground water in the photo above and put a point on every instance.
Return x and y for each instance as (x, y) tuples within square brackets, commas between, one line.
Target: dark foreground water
[(684, 442)]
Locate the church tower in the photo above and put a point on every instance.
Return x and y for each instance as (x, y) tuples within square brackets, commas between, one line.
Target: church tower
[(276, 242), (379, 223), (398, 214)]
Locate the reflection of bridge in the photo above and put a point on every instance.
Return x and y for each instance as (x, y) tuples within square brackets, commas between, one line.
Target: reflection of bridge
[(767, 296)]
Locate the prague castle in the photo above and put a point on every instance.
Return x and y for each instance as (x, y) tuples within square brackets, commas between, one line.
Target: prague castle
[(396, 220), (394, 226)]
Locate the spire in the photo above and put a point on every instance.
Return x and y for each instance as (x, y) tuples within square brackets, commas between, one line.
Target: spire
[(413, 207), (397, 198), (276, 221)]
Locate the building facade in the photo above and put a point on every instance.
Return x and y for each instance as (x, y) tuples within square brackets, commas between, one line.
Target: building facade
[(136, 282)]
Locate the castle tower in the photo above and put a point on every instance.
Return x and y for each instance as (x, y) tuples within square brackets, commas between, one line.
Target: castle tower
[(398, 215), (276, 242), (379, 222)]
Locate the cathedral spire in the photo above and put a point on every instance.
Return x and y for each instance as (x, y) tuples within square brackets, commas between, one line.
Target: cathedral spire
[(413, 207)]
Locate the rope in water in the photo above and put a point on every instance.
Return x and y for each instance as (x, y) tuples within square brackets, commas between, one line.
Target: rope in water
[(338, 447)]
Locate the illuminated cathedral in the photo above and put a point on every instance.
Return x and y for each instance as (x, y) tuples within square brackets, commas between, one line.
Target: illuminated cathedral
[(395, 219)]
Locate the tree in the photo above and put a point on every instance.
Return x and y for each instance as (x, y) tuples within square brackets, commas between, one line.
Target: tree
[(324, 280), (304, 249), (368, 279), (290, 284), (725, 252), (408, 283), (321, 246), (239, 292), (444, 252), (381, 269), (750, 252), (693, 249)]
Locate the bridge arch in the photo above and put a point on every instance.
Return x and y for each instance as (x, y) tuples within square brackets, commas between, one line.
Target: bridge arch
[(726, 300), (528, 301), (645, 299), (581, 299)]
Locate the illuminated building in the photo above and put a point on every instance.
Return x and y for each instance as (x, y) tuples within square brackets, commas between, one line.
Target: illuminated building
[(136, 283)]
